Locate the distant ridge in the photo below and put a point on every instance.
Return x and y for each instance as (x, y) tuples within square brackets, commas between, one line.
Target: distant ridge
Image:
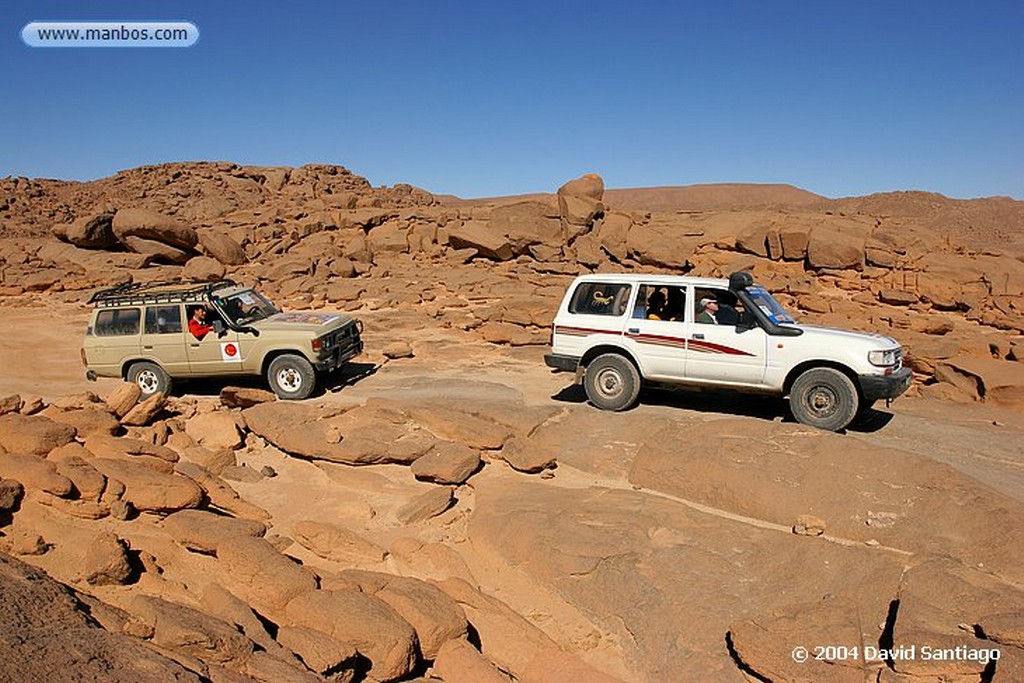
[(709, 196)]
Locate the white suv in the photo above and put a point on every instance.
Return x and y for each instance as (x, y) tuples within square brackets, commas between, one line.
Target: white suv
[(616, 331)]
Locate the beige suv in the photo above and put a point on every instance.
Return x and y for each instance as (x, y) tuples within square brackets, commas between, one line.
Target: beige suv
[(141, 332)]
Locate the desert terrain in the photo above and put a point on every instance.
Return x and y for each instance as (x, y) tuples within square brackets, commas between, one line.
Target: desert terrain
[(449, 509)]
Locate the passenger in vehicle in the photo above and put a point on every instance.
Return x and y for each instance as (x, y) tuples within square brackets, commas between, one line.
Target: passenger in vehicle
[(709, 307), (656, 306), (674, 309), (197, 323)]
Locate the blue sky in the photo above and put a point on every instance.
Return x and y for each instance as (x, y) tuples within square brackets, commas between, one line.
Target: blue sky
[(483, 99)]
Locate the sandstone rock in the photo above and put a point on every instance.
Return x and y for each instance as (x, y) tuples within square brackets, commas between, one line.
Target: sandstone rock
[(11, 493), (48, 636), (85, 421), (448, 422), (832, 249), (10, 404), (106, 562), (263, 577), (184, 629), (139, 223), (88, 482), (809, 525), (1006, 628), (149, 490), (426, 505), (478, 235), (32, 434), (753, 240), (160, 458), (90, 232), (27, 543), (527, 224), (459, 662), (221, 247), (123, 398), (993, 380), (367, 622), (204, 531), (521, 455), (435, 616), (145, 412), (589, 186), (35, 474), (242, 473), (262, 666), (245, 397), (218, 602), (794, 243), (219, 494), (398, 349), (215, 431), (897, 297), (337, 543), (157, 251), (320, 652), (447, 463), (203, 269)]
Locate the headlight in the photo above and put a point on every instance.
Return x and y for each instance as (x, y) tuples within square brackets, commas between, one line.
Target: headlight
[(884, 359)]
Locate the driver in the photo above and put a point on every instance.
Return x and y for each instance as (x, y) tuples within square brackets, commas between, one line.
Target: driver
[(197, 323)]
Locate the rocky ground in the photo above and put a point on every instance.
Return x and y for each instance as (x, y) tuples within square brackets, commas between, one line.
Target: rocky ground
[(449, 509)]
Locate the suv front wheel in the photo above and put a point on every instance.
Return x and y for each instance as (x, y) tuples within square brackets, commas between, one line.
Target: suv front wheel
[(150, 377), (612, 382), (291, 377), (824, 398)]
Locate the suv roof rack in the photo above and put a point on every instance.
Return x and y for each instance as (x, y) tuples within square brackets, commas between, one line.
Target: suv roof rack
[(138, 293)]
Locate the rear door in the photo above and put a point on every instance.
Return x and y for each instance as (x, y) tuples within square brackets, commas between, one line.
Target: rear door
[(657, 330), (114, 339), (163, 338)]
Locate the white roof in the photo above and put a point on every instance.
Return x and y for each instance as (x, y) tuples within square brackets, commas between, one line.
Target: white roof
[(647, 278)]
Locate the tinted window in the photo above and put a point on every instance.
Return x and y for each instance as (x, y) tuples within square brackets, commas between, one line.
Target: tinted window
[(163, 319), (117, 322), (661, 302), (599, 298)]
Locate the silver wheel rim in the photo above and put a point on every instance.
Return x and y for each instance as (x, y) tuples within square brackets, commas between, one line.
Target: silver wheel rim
[(148, 381), (822, 401), (289, 379), (609, 383)]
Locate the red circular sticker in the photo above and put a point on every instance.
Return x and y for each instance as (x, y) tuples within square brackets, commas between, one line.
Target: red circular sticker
[(230, 349)]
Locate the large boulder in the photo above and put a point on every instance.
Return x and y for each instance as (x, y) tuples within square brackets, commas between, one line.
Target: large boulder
[(149, 490), (221, 247), (376, 630), (203, 269), (526, 224), (217, 430), (831, 249), (35, 473), (489, 242), (186, 630), (204, 531), (148, 225), (156, 250), (33, 434), (447, 463), (263, 577), (106, 561), (89, 232)]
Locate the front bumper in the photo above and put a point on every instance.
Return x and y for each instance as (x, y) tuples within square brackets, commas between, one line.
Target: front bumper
[(561, 362), (339, 356), (874, 387)]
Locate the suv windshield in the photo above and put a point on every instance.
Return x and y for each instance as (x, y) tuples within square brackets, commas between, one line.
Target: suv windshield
[(245, 307), (769, 306)]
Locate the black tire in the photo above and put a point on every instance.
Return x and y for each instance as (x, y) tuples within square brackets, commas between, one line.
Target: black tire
[(291, 377), (824, 398), (612, 382), (150, 377)]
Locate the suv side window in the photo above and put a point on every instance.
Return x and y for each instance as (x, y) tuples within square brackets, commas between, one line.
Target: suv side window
[(163, 319), (117, 322), (661, 302), (599, 298)]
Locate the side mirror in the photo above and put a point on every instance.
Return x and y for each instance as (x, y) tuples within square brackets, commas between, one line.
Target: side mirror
[(218, 327)]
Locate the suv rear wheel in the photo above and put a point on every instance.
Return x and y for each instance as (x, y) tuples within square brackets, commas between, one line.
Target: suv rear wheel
[(291, 377), (612, 382), (824, 398), (150, 377)]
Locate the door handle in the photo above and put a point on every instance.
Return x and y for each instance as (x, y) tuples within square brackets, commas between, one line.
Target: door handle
[(194, 346), (148, 347), (633, 330), (698, 336)]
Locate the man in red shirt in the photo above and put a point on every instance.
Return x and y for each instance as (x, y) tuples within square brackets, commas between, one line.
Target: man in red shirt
[(197, 324)]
